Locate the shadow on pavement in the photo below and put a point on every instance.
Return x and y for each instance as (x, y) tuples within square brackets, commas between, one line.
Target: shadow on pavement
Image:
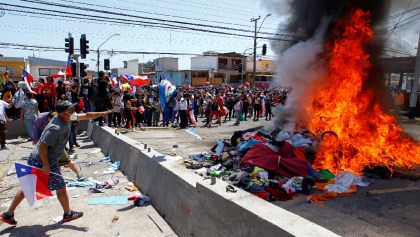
[(39, 230)]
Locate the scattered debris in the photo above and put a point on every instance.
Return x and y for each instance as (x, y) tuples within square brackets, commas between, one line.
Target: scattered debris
[(105, 159), (155, 223), (58, 219), (115, 166), (115, 219)]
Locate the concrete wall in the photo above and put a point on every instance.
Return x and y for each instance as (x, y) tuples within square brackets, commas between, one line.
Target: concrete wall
[(204, 63), (192, 206), (166, 64), (17, 128)]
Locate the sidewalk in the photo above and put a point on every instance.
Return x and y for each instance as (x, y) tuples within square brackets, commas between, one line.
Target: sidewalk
[(100, 220)]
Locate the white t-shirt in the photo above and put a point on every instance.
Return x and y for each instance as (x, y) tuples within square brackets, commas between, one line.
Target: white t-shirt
[(3, 106)]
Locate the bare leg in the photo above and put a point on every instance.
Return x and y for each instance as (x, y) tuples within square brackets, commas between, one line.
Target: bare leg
[(64, 199), (72, 165), (16, 201)]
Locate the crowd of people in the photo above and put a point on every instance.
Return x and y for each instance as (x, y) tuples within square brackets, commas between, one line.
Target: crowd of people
[(132, 107)]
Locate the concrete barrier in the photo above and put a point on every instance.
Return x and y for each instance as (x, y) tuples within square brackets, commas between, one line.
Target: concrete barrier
[(16, 128), (192, 206)]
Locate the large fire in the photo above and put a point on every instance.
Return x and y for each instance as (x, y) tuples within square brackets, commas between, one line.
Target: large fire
[(366, 135)]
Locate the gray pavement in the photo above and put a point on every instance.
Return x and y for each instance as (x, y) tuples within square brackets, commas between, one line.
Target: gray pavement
[(97, 220)]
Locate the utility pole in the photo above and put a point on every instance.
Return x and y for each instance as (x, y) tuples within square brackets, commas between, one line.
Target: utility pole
[(97, 63), (254, 69), (415, 87)]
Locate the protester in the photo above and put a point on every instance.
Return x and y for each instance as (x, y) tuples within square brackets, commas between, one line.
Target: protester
[(46, 154), (29, 112), (3, 122), (183, 106)]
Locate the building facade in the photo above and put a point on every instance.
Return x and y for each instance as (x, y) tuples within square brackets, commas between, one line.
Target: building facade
[(217, 69), (13, 66), (42, 67)]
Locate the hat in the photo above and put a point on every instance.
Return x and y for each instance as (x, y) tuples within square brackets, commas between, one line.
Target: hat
[(63, 106)]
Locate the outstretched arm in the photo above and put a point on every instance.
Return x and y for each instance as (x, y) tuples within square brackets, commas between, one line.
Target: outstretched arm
[(92, 115)]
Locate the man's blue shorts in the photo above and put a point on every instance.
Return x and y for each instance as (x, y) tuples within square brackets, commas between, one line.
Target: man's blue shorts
[(56, 181)]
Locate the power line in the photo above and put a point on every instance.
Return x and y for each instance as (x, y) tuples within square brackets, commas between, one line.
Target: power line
[(51, 48), (164, 7), (154, 19), (130, 22), (155, 13), (403, 13)]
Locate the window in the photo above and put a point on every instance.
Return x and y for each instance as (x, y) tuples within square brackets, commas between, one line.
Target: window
[(200, 74), (235, 78), (125, 64), (267, 66), (10, 70), (260, 78), (43, 72)]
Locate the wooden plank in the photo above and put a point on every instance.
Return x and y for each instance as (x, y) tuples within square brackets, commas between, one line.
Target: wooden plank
[(392, 190)]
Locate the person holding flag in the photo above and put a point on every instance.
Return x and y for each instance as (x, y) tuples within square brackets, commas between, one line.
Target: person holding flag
[(44, 161)]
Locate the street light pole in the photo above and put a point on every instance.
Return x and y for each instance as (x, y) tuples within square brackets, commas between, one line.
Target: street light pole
[(254, 69), (99, 62), (415, 87)]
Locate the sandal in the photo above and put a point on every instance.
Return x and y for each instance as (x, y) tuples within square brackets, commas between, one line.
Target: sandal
[(230, 188)]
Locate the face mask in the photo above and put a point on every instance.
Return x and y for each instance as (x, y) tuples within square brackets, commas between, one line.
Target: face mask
[(73, 117)]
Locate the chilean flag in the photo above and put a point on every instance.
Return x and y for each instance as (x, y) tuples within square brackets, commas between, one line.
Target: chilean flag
[(68, 68), (28, 80), (135, 80), (140, 109), (33, 181)]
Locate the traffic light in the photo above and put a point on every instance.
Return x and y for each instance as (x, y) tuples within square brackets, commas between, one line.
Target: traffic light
[(83, 70), (106, 64), (69, 45), (264, 49), (84, 46), (240, 68), (74, 69)]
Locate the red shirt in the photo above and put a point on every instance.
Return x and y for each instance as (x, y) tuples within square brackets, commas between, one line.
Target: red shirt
[(39, 88), (50, 89)]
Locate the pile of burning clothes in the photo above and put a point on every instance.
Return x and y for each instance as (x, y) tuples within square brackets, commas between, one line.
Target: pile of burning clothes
[(273, 166)]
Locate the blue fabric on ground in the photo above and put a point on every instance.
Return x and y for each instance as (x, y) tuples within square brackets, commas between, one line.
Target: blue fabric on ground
[(112, 200), (245, 145), (200, 157), (80, 184)]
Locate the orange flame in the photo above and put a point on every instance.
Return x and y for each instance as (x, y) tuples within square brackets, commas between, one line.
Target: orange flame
[(365, 134)]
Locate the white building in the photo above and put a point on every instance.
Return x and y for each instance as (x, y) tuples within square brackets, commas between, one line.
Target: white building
[(166, 64), (131, 67), (42, 67)]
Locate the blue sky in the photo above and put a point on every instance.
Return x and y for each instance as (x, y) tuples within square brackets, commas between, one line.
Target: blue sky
[(31, 29), (49, 31)]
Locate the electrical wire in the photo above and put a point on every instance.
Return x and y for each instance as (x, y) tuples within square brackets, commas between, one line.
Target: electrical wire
[(188, 24), (129, 21)]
